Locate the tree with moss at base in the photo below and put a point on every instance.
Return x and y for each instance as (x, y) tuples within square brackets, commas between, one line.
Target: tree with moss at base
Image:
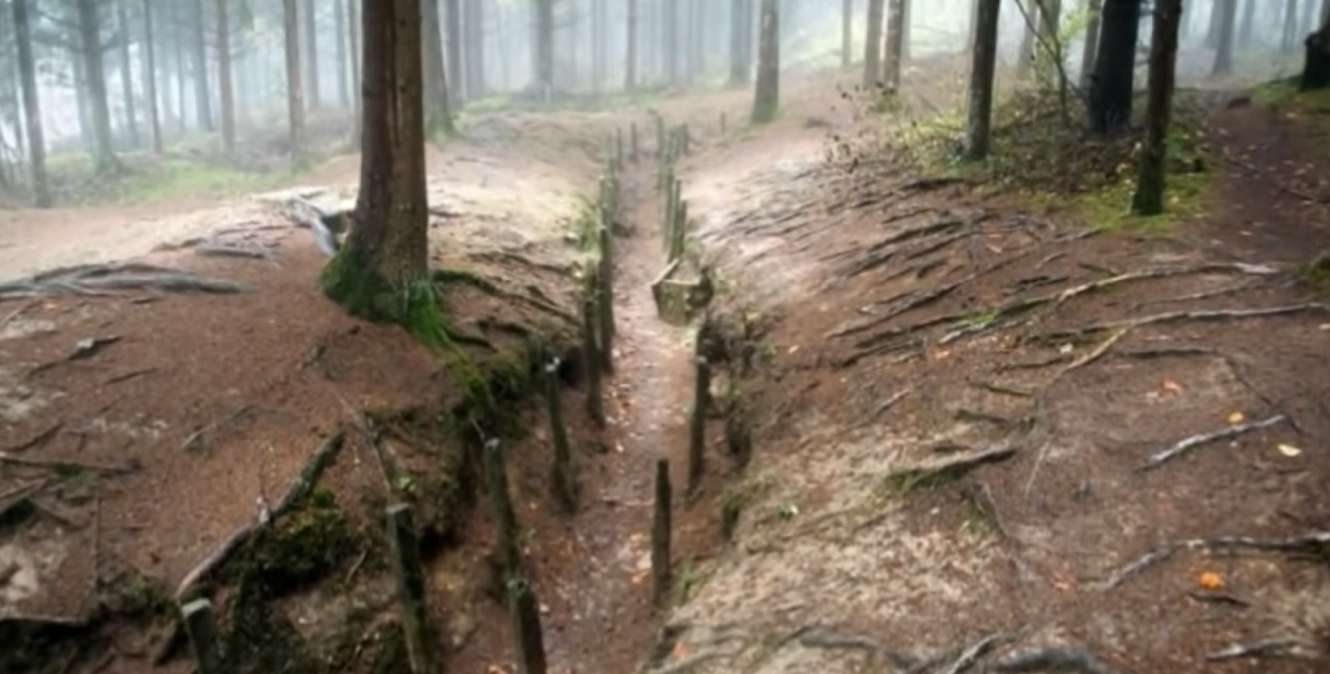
[(766, 95), (1316, 67), (382, 272), (1149, 197)]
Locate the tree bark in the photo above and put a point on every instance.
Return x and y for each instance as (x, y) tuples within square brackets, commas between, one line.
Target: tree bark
[(1025, 59), (1091, 47), (738, 43), (1289, 39), (1316, 67), (545, 47), (311, 55), (453, 19), (438, 116), (1248, 24), (202, 92), (378, 272), (873, 45), (150, 77), (766, 95), (32, 113), (126, 74), (1224, 50), (983, 63), (1115, 67), (224, 78), (630, 58), (352, 26), (295, 105), (895, 45), (339, 24), (475, 52), (846, 32), (1149, 197), (91, 50)]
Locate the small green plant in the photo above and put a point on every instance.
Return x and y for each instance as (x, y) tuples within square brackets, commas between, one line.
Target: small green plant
[(687, 580)]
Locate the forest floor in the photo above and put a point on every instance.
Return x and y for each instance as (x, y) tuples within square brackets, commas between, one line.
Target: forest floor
[(953, 402)]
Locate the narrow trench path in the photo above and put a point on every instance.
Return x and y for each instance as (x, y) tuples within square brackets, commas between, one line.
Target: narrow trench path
[(612, 622)]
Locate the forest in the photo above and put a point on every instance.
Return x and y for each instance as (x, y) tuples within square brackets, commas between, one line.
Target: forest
[(664, 336)]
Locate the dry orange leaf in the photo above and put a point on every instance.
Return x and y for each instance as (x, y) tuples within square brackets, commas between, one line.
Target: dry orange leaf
[(1211, 581), (1171, 386), (1236, 418), (941, 354)]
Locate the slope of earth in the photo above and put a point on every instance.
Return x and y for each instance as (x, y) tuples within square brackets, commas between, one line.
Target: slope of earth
[(140, 428), (983, 437)]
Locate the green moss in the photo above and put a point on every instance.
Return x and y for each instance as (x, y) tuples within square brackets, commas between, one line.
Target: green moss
[(363, 293), (1317, 273)]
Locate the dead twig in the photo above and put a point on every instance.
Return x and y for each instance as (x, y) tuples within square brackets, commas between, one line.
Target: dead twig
[(1159, 458), (1092, 356), (36, 440), (129, 375), (955, 465), (197, 441), (891, 402)]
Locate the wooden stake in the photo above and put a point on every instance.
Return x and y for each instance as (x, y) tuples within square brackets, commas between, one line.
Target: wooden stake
[(697, 431), (525, 612), (680, 230), (564, 482), (405, 549), (670, 200), (522, 605), (591, 357), (606, 297), (660, 139), (632, 143), (505, 520), (201, 627), (660, 536)]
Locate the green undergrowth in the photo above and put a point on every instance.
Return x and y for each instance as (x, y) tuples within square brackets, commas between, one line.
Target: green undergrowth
[(1284, 97), (529, 101), (1041, 153)]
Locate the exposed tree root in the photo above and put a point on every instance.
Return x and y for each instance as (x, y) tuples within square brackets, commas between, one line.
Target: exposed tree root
[(499, 257), (975, 651), (1265, 648), (950, 467), (67, 465), (883, 251), (88, 279), (1176, 316), (17, 312), (1052, 659), (230, 250), (535, 299), (1159, 458), (1308, 544), (36, 440), (817, 637)]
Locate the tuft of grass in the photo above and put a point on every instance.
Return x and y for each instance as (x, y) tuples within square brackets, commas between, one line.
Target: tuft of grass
[(174, 178)]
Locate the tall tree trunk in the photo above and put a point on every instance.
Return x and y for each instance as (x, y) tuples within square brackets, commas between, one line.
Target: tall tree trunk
[(1149, 197), (1316, 67), (224, 78), (1091, 47), (1224, 51), (738, 40), (983, 56), (1248, 24), (1308, 22), (895, 45), (438, 117), (846, 32), (90, 39), (202, 92), (1029, 24), (873, 45), (32, 112), (453, 17), (1216, 24), (385, 260), (86, 135), (597, 45), (630, 59), (697, 64), (310, 16), (907, 19), (1115, 67), (127, 74), (181, 82), (766, 95), (353, 27), (1289, 39), (475, 52), (150, 77), (295, 105), (671, 41), (339, 27), (545, 47)]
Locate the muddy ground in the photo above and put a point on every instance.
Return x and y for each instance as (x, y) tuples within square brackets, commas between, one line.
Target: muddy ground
[(953, 402)]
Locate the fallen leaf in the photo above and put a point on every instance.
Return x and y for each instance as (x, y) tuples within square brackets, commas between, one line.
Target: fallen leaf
[(1325, 327), (1171, 386), (941, 354), (1236, 418), (1289, 450), (793, 349), (1211, 581)]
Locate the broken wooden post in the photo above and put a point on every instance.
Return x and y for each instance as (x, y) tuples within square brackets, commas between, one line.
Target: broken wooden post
[(201, 628), (564, 482), (505, 520), (632, 142), (657, 286), (660, 138), (405, 549), (679, 230), (697, 431), (660, 536), (606, 299), (522, 605), (525, 612), (667, 216), (591, 357)]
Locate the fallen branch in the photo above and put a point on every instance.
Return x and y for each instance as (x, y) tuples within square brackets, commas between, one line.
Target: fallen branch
[(129, 375), (953, 466), (891, 402), (66, 465), (1051, 659), (1309, 543), (971, 654), (1159, 458), (35, 440), (1258, 649), (1092, 356)]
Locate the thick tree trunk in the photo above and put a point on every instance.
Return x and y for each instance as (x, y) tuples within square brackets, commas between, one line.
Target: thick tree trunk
[(891, 71), (766, 95), (452, 16), (1316, 68), (224, 78), (1216, 24), (846, 32), (873, 45), (126, 74), (1149, 197), (630, 58), (308, 14), (907, 19), (1091, 47), (983, 64), (339, 28), (32, 113), (202, 91), (1224, 50), (438, 116), (386, 256), (1115, 66), (91, 49), (295, 105), (150, 77)]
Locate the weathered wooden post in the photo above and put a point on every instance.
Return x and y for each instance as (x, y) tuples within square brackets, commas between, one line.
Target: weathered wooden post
[(591, 357), (606, 300), (632, 143), (505, 520), (667, 216), (564, 482), (660, 137), (525, 612), (697, 431), (522, 605), (660, 536), (405, 549), (201, 628), (679, 230)]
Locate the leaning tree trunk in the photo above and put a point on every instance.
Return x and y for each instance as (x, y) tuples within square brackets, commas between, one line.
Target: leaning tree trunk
[(630, 58), (895, 51), (202, 93), (380, 272), (312, 54), (295, 105), (983, 63), (1110, 92), (94, 70), (1149, 197), (224, 78), (1228, 10), (32, 112), (1091, 47), (873, 45), (438, 116), (766, 94), (1316, 67), (126, 73)]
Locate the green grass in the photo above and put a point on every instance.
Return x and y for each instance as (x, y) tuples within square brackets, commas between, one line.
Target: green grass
[(176, 177)]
